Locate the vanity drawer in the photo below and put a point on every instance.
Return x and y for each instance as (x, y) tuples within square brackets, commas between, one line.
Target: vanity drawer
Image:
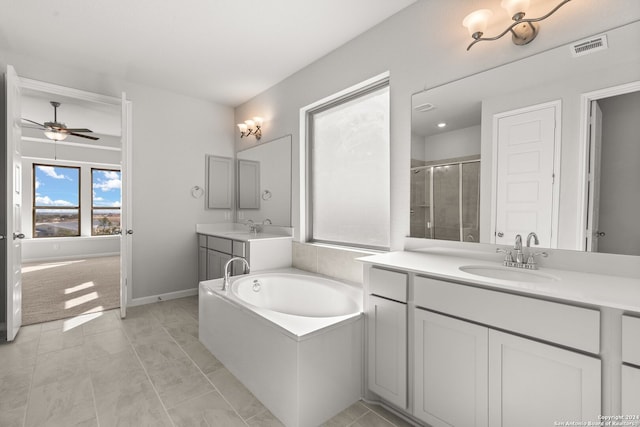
[(388, 284), (563, 324), (631, 339), (219, 244)]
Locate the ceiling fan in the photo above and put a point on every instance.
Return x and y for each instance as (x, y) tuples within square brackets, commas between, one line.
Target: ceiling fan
[(59, 131)]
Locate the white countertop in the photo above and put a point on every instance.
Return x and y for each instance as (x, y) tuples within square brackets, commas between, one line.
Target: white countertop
[(240, 232), (572, 286)]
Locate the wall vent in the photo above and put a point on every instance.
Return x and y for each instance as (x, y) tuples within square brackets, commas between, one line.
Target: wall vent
[(590, 45), (427, 106)]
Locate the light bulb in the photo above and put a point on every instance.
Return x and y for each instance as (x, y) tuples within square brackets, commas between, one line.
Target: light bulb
[(476, 22), (258, 121), (242, 127), (515, 7)]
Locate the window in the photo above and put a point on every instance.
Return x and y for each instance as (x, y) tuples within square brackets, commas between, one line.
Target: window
[(56, 205), (105, 201), (348, 169)]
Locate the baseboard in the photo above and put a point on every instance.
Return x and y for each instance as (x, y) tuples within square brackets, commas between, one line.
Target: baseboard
[(162, 297)]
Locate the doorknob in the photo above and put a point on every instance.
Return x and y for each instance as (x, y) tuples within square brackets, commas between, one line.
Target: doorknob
[(18, 236), (600, 233), (500, 234)]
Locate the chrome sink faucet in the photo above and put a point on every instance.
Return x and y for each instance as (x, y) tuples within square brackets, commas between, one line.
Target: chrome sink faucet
[(227, 272), (253, 227), (516, 257)]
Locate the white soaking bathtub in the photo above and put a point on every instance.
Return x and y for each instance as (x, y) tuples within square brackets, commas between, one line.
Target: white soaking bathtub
[(293, 338)]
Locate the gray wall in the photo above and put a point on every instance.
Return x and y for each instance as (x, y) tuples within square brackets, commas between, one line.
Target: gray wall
[(422, 46), (620, 165)]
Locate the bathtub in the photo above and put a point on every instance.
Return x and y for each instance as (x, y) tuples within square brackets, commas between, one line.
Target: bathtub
[(294, 339)]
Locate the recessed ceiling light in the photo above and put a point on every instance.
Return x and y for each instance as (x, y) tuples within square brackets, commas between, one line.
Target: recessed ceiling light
[(441, 124)]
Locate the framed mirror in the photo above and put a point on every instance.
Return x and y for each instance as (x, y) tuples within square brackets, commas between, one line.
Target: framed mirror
[(455, 125), (219, 171), (264, 182)]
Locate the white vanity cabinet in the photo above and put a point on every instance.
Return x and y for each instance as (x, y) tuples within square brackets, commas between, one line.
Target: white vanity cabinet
[(631, 365), (387, 335), (535, 384), (463, 367), (450, 371)]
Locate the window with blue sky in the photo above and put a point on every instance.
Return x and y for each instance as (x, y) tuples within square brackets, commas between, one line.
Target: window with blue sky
[(106, 187), (56, 207)]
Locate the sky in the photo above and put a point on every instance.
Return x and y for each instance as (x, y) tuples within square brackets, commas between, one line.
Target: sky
[(58, 186)]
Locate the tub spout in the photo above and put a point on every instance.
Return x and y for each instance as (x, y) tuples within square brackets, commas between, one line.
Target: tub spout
[(227, 273)]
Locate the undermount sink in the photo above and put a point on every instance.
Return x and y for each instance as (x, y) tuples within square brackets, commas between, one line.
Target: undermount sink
[(506, 273)]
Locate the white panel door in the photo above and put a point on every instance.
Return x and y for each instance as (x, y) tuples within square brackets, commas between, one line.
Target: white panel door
[(126, 236), (450, 374), (14, 189), (526, 147), (387, 333), (533, 384)]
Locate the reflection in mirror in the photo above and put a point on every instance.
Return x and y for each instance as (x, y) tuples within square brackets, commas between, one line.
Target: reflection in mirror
[(269, 188), (470, 107), (248, 184)]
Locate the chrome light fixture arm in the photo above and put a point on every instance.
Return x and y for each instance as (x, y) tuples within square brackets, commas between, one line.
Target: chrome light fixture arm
[(527, 33)]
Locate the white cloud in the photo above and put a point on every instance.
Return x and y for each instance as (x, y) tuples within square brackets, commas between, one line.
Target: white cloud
[(51, 171), (37, 184), (111, 175), (46, 201), (108, 185)]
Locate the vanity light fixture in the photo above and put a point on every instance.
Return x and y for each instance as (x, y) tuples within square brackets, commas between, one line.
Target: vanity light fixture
[(251, 127), (523, 30)]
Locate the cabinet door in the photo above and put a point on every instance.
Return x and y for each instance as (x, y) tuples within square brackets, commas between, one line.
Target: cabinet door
[(535, 384), (215, 264), (450, 386), (630, 390), (202, 264), (387, 332)]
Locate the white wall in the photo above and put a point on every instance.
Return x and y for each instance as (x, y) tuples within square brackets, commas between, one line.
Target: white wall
[(171, 135), (422, 46), (456, 143)]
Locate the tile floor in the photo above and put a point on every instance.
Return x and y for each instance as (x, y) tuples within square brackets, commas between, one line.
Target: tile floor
[(146, 370)]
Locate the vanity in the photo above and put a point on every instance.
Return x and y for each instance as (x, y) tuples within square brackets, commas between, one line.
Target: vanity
[(454, 339), (218, 243)]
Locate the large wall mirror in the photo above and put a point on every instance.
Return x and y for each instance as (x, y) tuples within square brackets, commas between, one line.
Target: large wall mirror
[(264, 182), (592, 186)]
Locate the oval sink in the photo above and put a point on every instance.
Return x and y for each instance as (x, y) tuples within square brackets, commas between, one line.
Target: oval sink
[(505, 273)]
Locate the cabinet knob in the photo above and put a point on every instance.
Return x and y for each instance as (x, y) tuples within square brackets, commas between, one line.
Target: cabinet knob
[(500, 234)]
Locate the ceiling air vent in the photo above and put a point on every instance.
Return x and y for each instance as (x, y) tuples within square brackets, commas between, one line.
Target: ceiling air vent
[(590, 45), (427, 106)]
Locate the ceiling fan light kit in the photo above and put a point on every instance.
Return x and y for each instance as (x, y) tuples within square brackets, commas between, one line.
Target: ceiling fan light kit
[(57, 131)]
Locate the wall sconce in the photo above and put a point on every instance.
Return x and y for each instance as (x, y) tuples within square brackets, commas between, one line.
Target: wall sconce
[(251, 127), (523, 30)]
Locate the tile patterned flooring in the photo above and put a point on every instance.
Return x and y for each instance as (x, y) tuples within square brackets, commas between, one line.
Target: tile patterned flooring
[(149, 369)]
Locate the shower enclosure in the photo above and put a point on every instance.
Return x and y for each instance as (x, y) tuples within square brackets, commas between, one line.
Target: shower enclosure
[(445, 200)]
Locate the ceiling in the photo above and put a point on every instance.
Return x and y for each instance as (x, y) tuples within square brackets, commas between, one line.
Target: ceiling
[(226, 51)]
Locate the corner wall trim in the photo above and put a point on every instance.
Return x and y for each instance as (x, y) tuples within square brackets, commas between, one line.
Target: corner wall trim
[(162, 297)]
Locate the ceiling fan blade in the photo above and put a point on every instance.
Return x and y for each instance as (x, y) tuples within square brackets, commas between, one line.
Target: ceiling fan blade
[(78, 130), (35, 123), (95, 138)]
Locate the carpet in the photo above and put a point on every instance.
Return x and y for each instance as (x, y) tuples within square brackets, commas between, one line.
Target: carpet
[(62, 289)]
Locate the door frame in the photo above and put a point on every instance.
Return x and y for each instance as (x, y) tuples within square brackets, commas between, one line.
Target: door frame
[(583, 150), (125, 162), (555, 211)]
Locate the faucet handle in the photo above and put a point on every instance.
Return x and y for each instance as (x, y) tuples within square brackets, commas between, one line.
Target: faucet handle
[(531, 259), (507, 254)]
